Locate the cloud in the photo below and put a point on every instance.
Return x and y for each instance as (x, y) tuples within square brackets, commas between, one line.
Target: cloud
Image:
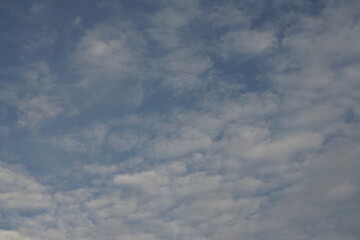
[(110, 53), (187, 141), (99, 169), (36, 98), (126, 141), (37, 109), (282, 149), (21, 196), (246, 42), (184, 68), (86, 140), (227, 15), (144, 181), (13, 180), (324, 191), (164, 135), (12, 235), (180, 61), (168, 22)]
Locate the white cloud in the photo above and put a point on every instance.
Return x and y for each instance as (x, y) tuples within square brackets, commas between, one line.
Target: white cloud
[(20, 192), (246, 42), (148, 182), (12, 235), (225, 16), (168, 22), (180, 62), (37, 8), (108, 53), (184, 67), (86, 140), (126, 141), (278, 163), (37, 109), (37, 99), (100, 169), (77, 21), (282, 149), (186, 141)]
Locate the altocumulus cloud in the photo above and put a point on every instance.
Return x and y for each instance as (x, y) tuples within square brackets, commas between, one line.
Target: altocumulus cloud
[(140, 120)]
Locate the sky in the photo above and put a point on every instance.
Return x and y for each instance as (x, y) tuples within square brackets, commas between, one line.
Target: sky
[(179, 120)]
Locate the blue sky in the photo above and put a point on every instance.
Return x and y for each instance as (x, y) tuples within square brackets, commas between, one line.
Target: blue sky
[(179, 120)]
